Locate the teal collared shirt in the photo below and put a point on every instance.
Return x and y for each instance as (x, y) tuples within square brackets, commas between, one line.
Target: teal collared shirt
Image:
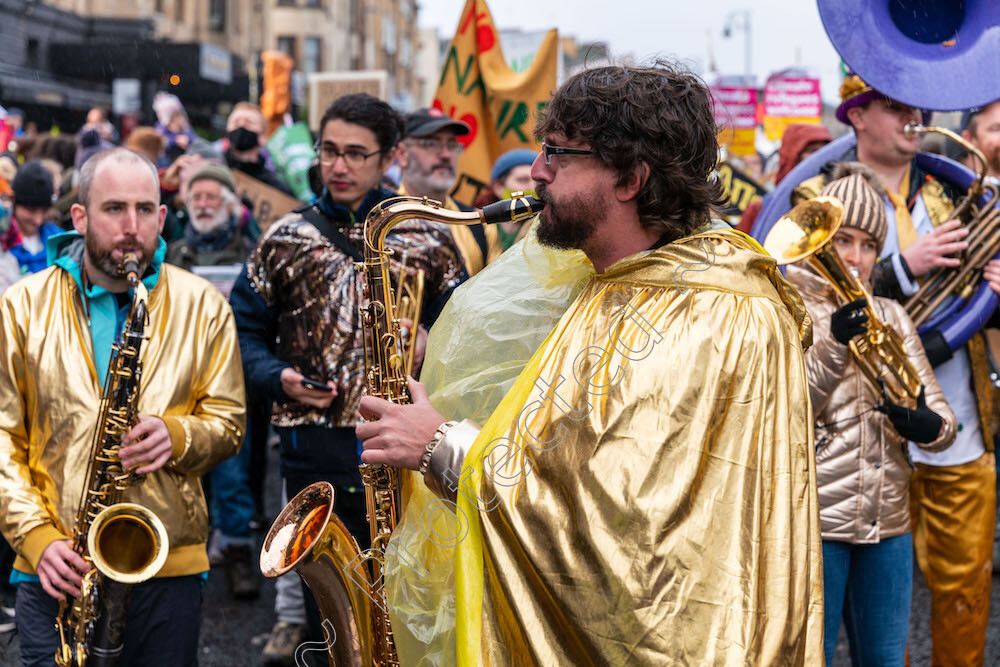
[(106, 313)]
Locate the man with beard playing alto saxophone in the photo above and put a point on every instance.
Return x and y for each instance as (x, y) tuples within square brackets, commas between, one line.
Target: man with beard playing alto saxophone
[(645, 490), (57, 331)]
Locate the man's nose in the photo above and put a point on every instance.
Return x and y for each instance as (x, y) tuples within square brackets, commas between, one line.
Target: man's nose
[(541, 171), (130, 222)]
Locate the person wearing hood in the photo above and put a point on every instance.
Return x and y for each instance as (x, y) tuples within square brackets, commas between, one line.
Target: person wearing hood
[(861, 438), (799, 141), (57, 329), (173, 123), (33, 199), (245, 152)]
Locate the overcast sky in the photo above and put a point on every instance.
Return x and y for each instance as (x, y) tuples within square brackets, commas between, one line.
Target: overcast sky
[(785, 33)]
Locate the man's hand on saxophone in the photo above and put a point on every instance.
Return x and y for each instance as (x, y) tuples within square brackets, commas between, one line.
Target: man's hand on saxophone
[(399, 433), (60, 569), (148, 442)]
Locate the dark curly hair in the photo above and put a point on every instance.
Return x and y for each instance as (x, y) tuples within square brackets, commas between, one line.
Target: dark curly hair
[(660, 115), (367, 111)]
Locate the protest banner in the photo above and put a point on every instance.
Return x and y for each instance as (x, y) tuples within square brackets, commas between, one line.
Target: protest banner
[(734, 108), (478, 87), (739, 190), (325, 87), (291, 148), (268, 203), (790, 100)]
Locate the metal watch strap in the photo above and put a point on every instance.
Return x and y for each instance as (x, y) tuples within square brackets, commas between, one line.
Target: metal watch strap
[(425, 459)]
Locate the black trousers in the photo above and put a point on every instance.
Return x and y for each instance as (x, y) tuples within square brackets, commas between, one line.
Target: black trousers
[(164, 619), (317, 454)]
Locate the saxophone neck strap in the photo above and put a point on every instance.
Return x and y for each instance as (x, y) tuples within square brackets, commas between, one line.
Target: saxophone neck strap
[(320, 221)]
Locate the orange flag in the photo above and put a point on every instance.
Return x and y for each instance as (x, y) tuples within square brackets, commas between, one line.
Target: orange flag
[(500, 105), (275, 100)]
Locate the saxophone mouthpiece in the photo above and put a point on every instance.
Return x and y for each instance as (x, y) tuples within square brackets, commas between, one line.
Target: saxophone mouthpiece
[(130, 266), (518, 207)]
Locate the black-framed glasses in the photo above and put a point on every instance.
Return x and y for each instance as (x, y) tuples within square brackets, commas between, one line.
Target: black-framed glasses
[(435, 144), (549, 151), (354, 157)]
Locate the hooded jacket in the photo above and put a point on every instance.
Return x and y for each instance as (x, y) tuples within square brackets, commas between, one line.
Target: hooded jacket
[(51, 376), (861, 467)]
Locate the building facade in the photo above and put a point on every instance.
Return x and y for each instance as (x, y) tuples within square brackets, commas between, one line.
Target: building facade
[(320, 35)]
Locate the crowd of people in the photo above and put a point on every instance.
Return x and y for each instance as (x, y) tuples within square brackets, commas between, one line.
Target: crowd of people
[(688, 470)]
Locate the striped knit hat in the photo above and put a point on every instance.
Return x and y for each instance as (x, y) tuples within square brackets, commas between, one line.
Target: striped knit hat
[(858, 188)]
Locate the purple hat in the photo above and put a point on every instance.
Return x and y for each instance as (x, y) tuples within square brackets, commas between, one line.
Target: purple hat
[(854, 92)]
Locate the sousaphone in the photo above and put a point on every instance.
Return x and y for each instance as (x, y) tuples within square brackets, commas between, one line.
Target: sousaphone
[(936, 55)]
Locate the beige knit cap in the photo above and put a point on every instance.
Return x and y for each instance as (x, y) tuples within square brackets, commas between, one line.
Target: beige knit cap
[(858, 188)]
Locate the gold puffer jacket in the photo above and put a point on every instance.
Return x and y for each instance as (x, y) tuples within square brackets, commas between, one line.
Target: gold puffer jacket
[(861, 468), (50, 399)]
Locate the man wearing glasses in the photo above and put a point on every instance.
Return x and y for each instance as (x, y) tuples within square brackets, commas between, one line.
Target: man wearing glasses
[(641, 488), (428, 157), (296, 308)]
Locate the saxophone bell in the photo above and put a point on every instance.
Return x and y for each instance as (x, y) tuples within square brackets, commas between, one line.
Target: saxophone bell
[(127, 543)]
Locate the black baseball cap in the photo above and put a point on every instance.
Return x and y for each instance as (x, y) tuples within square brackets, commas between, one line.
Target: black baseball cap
[(425, 122)]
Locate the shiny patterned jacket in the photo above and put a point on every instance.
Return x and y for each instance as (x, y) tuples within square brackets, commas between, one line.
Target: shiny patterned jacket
[(50, 393), (313, 290), (861, 468)]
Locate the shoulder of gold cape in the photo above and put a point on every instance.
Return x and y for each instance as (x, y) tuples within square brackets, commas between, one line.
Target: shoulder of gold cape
[(717, 258)]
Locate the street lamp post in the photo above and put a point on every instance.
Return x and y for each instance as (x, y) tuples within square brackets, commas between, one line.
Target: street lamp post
[(740, 19)]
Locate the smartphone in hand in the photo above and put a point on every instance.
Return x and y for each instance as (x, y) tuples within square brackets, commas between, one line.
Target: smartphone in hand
[(316, 384)]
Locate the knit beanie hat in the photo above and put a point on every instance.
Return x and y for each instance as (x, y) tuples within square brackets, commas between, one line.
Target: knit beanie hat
[(33, 186), (511, 159), (214, 172), (859, 190)]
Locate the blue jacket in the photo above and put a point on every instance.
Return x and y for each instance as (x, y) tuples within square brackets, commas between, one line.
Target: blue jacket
[(33, 263)]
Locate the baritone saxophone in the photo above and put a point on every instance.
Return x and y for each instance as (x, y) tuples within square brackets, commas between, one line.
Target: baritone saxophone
[(307, 536)]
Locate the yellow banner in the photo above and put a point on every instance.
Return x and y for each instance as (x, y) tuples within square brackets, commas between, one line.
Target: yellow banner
[(500, 105)]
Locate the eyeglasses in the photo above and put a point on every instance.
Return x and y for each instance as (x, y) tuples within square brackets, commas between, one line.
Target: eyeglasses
[(354, 157), (549, 151), (434, 145)]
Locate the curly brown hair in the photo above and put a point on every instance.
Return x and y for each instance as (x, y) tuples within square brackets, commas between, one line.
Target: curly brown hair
[(659, 115)]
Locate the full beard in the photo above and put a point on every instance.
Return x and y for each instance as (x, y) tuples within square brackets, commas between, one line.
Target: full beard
[(568, 224), (217, 221), (436, 180), (101, 256)]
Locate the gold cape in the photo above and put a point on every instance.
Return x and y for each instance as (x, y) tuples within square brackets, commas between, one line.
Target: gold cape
[(650, 492)]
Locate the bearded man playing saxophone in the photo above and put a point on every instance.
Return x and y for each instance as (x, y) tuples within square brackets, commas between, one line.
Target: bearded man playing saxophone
[(645, 490), (57, 330)]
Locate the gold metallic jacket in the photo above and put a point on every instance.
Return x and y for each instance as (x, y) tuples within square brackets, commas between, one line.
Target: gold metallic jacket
[(863, 474), (50, 396), (653, 500)]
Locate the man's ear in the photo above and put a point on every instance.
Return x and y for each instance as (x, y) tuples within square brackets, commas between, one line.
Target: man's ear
[(400, 153), (636, 179), (967, 135), (79, 216), (855, 115)]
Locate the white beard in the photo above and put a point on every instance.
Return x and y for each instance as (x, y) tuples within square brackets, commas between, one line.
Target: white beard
[(209, 226)]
